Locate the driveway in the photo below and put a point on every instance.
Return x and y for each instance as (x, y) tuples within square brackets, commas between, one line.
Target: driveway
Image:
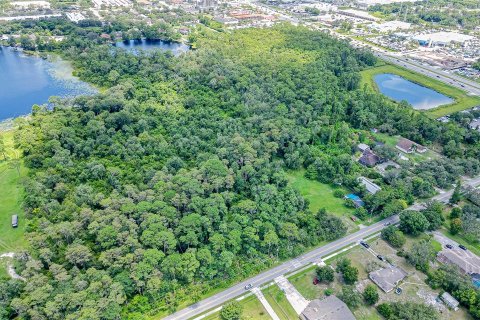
[(298, 302)]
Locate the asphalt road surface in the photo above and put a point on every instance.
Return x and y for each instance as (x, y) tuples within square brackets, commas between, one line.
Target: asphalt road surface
[(301, 261), (447, 78), (286, 267)]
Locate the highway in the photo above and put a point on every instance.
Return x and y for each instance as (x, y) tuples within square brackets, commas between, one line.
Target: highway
[(396, 58), (286, 267), (447, 78)]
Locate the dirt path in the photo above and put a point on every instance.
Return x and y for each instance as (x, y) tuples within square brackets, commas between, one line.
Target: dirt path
[(10, 269)]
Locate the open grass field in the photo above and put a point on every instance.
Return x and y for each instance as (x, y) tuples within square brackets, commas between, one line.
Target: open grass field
[(318, 194), (252, 310), (462, 100), (11, 194), (276, 298)]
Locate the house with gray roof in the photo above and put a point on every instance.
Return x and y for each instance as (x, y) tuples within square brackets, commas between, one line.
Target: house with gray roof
[(466, 261), (330, 308), (369, 185), (388, 278)]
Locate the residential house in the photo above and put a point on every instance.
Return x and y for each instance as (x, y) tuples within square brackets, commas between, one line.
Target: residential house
[(369, 185), (408, 146), (363, 147), (466, 261), (330, 308), (369, 158), (388, 278)]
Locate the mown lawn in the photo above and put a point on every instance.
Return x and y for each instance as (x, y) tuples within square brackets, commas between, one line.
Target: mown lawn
[(462, 100), (276, 298), (11, 196), (252, 310), (318, 194)]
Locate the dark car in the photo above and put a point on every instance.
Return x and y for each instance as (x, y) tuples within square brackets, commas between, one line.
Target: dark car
[(364, 244), (462, 247), (315, 281), (449, 246), (381, 258), (248, 286)]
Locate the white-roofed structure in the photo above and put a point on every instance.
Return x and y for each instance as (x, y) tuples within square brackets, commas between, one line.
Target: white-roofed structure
[(390, 26), (442, 38)]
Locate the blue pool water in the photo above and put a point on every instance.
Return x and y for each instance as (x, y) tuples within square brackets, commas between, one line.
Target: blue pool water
[(398, 89)]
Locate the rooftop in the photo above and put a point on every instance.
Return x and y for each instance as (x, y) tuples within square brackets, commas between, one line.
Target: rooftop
[(330, 308), (443, 37), (371, 187), (387, 278), (467, 261)]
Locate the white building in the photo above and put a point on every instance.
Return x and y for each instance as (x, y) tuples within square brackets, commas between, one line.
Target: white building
[(443, 39)]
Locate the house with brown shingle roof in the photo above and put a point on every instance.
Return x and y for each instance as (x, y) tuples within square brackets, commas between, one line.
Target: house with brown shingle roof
[(408, 146), (369, 158)]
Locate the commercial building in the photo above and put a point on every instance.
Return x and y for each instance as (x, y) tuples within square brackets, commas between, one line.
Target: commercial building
[(442, 39)]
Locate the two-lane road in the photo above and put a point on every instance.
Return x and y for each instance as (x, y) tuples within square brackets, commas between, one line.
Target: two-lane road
[(301, 261), (286, 267)]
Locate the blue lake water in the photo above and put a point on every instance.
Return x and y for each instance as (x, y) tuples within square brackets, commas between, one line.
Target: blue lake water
[(398, 89), (28, 80), (134, 45)]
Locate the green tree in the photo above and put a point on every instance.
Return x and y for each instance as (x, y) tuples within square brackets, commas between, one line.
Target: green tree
[(455, 226), (413, 222), (350, 275), (393, 236), (325, 274), (370, 294), (231, 311), (421, 253), (351, 297)]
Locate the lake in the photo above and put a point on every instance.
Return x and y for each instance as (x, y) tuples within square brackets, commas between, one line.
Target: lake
[(27, 80), (398, 89), (176, 48)]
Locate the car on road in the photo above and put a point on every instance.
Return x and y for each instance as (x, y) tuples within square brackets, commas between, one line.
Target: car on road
[(438, 76), (381, 258), (353, 218), (462, 247), (248, 286), (449, 246), (386, 224), (366, 245)]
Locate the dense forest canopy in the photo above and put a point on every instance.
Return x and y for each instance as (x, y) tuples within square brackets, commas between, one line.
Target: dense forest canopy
[(173, 180)]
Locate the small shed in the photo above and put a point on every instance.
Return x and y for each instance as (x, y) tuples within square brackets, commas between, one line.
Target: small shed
[(450, 301)]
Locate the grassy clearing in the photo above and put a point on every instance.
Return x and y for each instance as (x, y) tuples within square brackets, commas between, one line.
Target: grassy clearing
[(252, 309), (318, 194), (462, 100), (276, 298), (415, 157), (11, 196)]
